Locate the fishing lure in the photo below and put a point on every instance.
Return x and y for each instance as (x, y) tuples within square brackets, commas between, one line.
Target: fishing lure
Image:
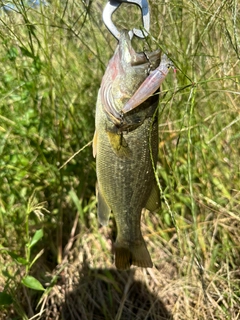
[(149, 86)]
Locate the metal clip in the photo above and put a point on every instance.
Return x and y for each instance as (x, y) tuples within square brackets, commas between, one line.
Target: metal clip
[(112, 5)]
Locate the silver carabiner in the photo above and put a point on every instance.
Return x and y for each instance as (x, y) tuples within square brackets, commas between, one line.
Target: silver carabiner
[(112, 5)]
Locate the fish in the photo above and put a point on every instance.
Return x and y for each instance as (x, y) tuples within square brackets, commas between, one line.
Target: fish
[(125, 145)]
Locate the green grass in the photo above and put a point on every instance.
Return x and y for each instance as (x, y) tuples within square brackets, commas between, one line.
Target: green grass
[(51, 63)]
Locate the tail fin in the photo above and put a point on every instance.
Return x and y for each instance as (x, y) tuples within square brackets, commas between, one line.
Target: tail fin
[(133, 254)]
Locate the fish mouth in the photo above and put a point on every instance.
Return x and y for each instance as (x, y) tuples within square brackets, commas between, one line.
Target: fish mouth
[(135, 59)]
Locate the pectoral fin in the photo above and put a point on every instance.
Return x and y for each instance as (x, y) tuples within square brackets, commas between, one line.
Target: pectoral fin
[(154, 201), (119, 145), (103, 210)]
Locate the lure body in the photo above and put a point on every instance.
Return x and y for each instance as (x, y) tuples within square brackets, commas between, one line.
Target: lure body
[(149, 86)]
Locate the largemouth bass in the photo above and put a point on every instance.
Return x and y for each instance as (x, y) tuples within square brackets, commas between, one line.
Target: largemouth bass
[(126, 146)]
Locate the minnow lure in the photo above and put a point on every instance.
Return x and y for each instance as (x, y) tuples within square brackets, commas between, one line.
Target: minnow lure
[(149, 86)]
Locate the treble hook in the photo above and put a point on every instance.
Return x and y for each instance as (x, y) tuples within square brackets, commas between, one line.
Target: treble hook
[(112, 5)]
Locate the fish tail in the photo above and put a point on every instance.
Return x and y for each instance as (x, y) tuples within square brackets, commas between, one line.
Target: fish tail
[(137, 255)]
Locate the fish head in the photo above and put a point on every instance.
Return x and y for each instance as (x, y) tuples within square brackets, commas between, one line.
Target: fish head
[(125, 72), (132, 69)]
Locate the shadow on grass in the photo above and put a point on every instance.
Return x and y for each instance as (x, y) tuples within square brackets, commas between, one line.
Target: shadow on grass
[(111, 295)]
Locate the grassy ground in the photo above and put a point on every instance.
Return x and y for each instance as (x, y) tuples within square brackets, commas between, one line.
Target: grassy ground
[(55, 259)]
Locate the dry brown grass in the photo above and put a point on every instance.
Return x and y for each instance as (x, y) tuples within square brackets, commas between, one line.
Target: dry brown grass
[(178, 287)]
